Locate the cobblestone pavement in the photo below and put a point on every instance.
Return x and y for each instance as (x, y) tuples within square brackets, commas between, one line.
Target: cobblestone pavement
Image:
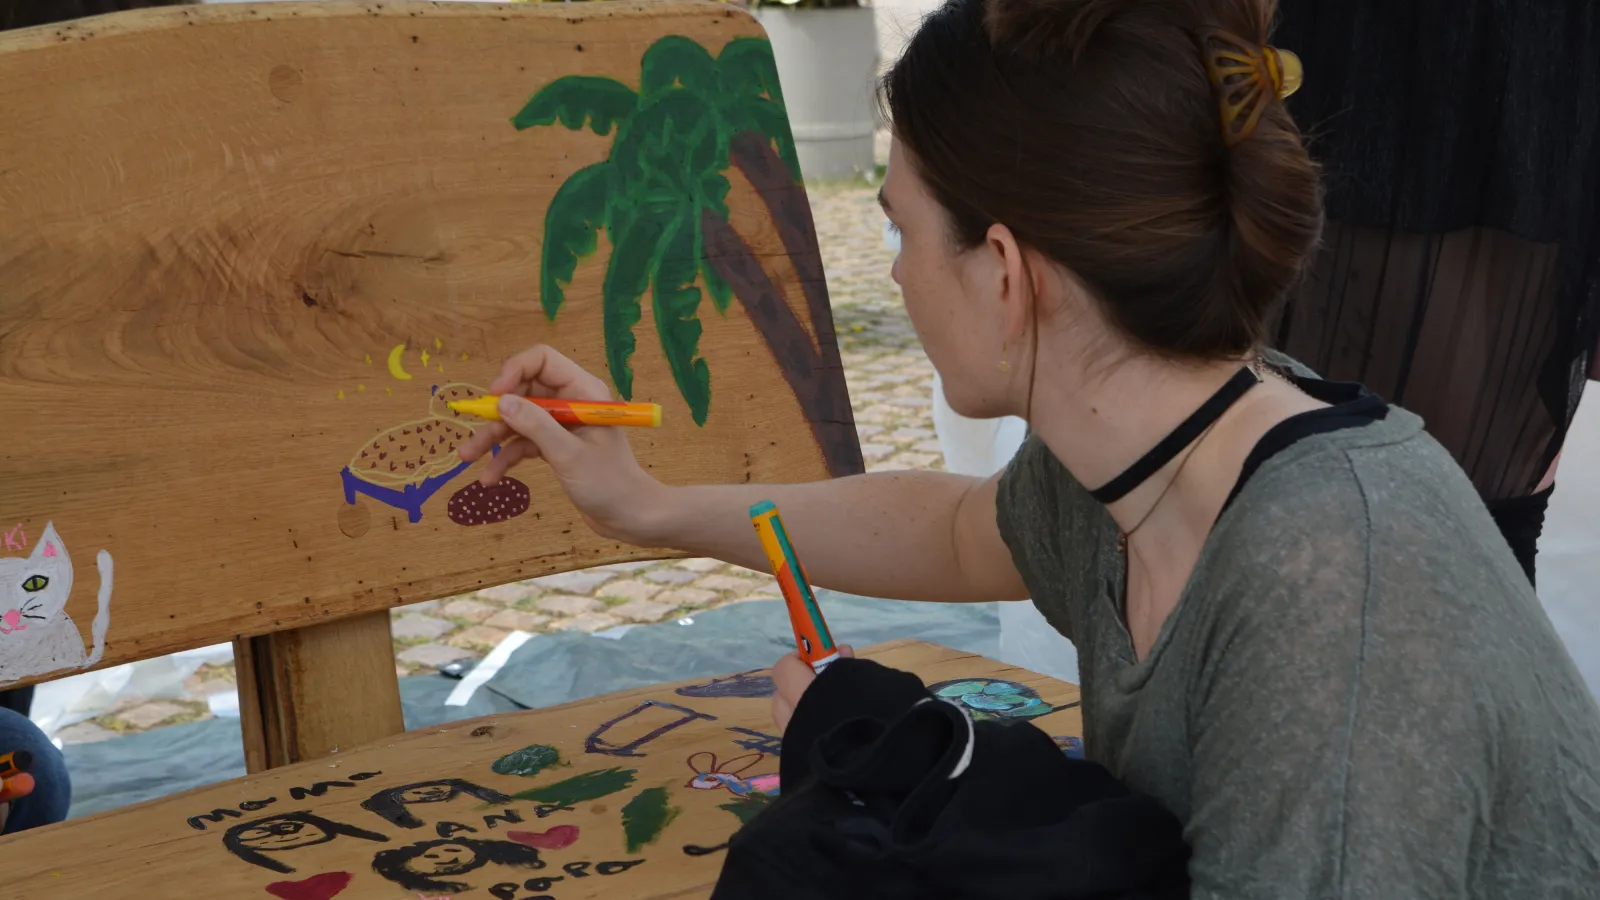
[(889, 381)]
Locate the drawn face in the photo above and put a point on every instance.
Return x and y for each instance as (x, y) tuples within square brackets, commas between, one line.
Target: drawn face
[(427, 793), (272, 836), (444, 859), (34, 589)]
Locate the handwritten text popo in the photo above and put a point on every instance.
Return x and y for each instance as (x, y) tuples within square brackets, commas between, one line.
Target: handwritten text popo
[(508, 890)]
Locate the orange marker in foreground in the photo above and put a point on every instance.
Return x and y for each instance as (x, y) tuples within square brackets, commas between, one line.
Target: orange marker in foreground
[(810, 630), (17, 786), (571, 412)]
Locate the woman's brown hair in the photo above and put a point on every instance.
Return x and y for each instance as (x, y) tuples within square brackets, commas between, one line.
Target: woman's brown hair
[(1090, 129)]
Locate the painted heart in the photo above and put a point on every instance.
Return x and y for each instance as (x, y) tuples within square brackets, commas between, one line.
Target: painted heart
[(555, 839), (317, 887)]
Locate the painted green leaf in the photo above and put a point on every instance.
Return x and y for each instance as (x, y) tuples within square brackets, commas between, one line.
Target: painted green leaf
[(571, 231), (580, 788), (748, 807), (646, 816), (635, 240), (576, 100), (527, 762), (754, 96), (672, 141), (712, 198), (677, 314), (680, 61), (772, 122), (748, 69)]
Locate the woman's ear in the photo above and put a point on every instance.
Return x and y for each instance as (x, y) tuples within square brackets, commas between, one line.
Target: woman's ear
[(1017, 288)]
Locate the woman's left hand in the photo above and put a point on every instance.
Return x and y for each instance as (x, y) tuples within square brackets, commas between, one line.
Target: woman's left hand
[(791, 675)]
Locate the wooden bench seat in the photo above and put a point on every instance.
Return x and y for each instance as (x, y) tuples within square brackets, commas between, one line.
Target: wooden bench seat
[(628, 795)]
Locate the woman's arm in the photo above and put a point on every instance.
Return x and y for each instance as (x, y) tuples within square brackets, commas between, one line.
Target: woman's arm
[(905, 535)]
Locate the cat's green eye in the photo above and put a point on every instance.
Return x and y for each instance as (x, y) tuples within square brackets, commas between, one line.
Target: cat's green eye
[(35, 584)]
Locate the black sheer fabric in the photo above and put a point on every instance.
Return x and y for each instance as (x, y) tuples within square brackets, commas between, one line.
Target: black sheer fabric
[(1460, 273)]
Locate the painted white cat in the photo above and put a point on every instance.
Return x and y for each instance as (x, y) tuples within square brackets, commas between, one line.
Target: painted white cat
[(36, 634)]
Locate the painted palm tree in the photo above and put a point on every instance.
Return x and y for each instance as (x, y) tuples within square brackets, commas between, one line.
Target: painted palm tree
[(662, 198)]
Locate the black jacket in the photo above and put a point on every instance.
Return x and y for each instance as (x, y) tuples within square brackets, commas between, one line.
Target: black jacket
[(890, 793)]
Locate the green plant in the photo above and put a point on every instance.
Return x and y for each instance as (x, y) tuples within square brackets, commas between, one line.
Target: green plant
[(662, 197)]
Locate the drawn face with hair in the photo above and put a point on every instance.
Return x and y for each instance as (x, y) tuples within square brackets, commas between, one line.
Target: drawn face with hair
[(427, 793), (391, 803), (252, 841), (283, 835), (444, 859), (422, 866)]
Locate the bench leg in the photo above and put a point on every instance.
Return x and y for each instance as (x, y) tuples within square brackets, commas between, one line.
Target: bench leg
[(308, 692)]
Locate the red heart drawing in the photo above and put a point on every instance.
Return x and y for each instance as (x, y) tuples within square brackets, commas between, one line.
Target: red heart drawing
[(317, 887), (554, 839)]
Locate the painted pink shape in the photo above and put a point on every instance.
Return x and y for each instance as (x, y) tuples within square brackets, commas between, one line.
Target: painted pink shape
[(49, 550), (766, 784), (16, 538), (13, 621)]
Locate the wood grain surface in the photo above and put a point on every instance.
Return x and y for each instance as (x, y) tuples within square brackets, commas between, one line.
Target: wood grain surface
[(242, 245), (656, 755)]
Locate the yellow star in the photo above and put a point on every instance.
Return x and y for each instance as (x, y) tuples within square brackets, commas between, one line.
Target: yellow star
[(424, 357), (369, 359), (389, 391), (341, 395), (438, 344), (463, 357), (361, 387)]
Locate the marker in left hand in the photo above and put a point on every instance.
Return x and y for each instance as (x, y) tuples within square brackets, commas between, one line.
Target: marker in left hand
[(16, 787), (811, 633)]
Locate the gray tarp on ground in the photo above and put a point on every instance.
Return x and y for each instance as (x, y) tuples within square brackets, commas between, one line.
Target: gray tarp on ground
[(547, 670)]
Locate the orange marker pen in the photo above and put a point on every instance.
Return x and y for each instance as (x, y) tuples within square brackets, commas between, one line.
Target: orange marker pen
[(811, 633), (571, 412)]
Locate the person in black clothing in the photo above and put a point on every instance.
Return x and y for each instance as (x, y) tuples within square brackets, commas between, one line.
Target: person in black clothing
[(1459, 275)]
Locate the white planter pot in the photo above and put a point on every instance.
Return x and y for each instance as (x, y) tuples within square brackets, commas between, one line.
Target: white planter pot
[(827, 61)]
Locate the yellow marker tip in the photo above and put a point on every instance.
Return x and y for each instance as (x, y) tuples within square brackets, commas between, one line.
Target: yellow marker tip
[(482, 407)]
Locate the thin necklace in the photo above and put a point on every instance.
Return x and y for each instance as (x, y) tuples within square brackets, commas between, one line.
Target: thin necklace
[(1257, 367), (1122, 536)]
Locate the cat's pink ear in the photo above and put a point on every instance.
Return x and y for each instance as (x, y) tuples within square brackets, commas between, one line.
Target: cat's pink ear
[(50, 545)]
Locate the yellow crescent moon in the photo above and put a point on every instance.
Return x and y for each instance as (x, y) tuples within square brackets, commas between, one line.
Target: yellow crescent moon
[(394, 364)]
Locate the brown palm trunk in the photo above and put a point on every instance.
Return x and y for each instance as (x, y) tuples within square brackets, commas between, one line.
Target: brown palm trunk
[(813, 370)]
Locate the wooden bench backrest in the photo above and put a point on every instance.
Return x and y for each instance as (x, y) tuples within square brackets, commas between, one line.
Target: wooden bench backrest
[(246, 251)]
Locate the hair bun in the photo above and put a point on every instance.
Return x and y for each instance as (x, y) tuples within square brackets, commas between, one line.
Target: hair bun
[(1041, 28)]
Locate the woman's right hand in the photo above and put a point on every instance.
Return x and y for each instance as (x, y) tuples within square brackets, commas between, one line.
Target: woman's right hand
[(594, 464)]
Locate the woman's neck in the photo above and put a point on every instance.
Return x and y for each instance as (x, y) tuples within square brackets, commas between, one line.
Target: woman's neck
[(1101, 429)]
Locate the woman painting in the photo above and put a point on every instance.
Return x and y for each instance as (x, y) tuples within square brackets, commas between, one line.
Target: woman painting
[(1298, 626)]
